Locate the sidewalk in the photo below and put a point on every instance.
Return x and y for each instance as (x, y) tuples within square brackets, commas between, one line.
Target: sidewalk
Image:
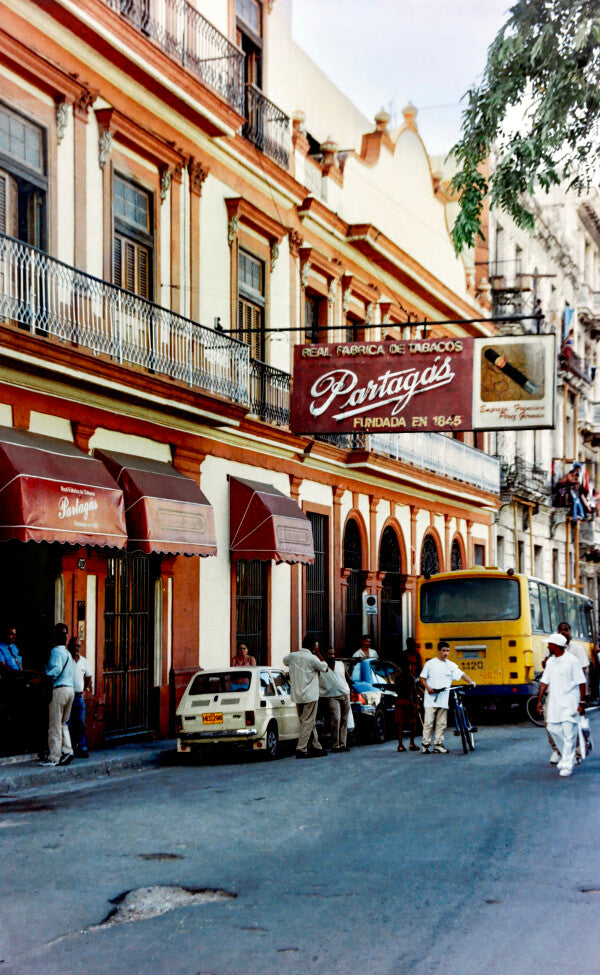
[(21, 772)]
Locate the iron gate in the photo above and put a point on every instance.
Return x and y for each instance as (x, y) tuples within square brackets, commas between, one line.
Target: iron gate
[(251, 607), (391, 619), (317, 588), (356, 584), (128, 628)]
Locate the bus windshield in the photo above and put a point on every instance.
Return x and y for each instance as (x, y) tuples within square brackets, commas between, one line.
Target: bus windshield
[(470, 600)]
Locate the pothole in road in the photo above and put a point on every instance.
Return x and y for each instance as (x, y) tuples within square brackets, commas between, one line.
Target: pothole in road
[(161, 857), (146, 902)]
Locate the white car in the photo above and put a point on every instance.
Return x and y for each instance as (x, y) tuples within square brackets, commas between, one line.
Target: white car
[(249, 707)]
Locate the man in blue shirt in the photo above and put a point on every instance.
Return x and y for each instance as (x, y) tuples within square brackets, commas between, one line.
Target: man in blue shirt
[(10, 658), (60, 668)]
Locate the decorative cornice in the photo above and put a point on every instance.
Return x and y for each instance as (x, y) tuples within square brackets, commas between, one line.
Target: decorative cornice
[(26, 63), (197, 175), (320, 263), (251, 216), (139, 139)]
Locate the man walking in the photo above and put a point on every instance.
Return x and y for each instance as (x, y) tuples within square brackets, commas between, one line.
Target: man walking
[(564, 680), (436, 677), (333, 688), (304, 667), (60, 668)]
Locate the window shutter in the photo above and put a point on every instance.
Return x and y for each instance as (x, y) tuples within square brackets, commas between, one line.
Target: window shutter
[(117, 262), (143, 272), (129, 266), (9, 223)]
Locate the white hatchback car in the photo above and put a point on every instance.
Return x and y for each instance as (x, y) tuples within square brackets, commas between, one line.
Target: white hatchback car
[(249, 707)]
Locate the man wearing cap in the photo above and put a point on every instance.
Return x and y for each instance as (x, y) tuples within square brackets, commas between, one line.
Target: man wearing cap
[(564, 680)]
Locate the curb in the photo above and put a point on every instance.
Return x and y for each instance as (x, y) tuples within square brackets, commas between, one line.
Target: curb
[(25, 772)]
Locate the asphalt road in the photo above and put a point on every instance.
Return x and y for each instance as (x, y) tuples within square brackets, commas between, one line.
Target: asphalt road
[(371, 861)]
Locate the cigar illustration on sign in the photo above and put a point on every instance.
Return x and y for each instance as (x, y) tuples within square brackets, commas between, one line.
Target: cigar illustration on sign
[(511, 371)]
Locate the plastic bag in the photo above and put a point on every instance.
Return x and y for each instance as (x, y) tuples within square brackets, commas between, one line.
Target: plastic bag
[(584, 735)]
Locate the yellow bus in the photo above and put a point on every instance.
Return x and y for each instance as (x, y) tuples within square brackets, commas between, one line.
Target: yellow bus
[(497, 624)]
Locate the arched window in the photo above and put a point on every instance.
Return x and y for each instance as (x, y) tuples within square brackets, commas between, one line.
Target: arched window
[(353, 561), (429, 556), (455, 556), (391, 610)]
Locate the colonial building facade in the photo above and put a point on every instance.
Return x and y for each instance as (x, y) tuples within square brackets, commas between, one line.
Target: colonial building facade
[(184, 196)]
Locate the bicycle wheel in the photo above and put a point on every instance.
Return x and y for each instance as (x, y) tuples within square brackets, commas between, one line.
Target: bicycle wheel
[(459, 718), (469, 730), (531, 709)]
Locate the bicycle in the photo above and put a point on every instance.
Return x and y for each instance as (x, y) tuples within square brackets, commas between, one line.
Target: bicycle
[(462, 722), (531, 706)]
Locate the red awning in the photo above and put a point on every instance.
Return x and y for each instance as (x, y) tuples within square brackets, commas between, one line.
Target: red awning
[(166, 511), (50, 491), (266, 524)]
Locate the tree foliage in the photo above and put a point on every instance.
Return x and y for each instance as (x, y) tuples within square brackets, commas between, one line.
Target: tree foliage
[(544, 67)]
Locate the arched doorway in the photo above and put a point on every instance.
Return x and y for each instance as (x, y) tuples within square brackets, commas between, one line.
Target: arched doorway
[(456, 556), (356, 584), (391, 594), (430, 563)]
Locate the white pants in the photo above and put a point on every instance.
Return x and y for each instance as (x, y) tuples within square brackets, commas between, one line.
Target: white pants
[(565, 735)]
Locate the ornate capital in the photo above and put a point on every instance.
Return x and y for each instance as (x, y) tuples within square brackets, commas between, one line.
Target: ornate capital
[(304, 274), (274, 253), (370, 313), (165, 184), (331, 291), (62, 119), (82, 105), (346, 300), (232, 230), (105, 141), (296, 242), (197, 175)]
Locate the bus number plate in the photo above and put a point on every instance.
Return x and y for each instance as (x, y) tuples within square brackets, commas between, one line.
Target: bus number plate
[(473, 664)]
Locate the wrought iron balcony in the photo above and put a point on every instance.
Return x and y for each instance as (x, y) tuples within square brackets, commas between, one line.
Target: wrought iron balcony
[(187, 37), (269, 393), (442, 455), (570, 362), (267, 126), (52, 299), (522, 479)]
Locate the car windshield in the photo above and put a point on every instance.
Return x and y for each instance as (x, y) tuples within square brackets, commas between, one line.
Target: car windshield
[(372, 671), (224, 683), (470, 600)]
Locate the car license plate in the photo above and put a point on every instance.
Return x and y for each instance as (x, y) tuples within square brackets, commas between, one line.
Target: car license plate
[(214, 717)]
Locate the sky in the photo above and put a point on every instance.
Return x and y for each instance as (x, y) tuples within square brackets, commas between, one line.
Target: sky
[(389, 52)]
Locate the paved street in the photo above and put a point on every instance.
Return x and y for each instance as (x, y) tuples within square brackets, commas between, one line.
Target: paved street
[(368, 861)]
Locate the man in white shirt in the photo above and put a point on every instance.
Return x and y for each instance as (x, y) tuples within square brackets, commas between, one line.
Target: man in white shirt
[(82, 682), (305, 666), (564, 680), (437, 677), (333, 687), (365, 651), (575, 648)]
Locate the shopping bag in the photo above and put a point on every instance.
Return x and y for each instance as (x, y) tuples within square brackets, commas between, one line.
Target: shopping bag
[(584, 735)]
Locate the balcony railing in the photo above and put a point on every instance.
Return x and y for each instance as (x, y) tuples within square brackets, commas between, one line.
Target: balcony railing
[(267, 126), (50, 298), (443, 455), (519, 477), (187, 37), (571, 362), (269, 393)]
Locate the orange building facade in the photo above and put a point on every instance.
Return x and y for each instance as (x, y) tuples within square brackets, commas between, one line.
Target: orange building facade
[(164, 227)]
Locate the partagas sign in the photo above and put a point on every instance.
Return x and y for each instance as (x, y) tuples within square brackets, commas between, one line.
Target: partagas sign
[(436, 384)]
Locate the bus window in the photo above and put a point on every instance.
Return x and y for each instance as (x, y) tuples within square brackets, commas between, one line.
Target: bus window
[(554, 609), (469, 600), (571, 618), (589, 622), (536, 608), (545, 604)]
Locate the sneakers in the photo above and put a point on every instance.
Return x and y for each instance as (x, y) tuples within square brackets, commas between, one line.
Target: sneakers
[(555, 757), (66, 759), (441, 750), (566, 771), (47, 762), (425, 750)]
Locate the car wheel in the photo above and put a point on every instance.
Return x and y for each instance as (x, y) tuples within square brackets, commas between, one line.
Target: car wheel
[(271, 751), (379, 728)]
